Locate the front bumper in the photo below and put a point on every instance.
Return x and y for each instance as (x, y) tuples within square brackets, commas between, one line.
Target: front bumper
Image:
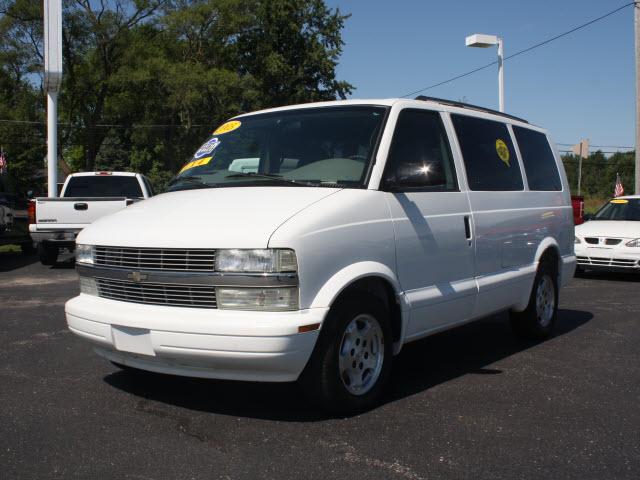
[(209, 343), (609, 259)]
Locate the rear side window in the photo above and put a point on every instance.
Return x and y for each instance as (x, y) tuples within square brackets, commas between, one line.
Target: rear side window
[(103, 186), (420, 157), (488, 153), (539, 162)]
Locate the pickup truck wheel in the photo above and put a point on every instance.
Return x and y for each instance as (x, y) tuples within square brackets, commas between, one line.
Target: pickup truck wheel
[(536, 322), (48, 255), (27, 248), (351, 362)]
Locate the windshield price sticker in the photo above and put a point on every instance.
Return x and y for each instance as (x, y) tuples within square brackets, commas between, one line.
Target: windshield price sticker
[(227, 127), (503, 151), (195, 163), (208, 147)]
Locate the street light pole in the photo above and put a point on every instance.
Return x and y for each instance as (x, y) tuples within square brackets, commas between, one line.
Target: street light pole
[(480, 40), (636, 8), (52, 80), (501, 74)]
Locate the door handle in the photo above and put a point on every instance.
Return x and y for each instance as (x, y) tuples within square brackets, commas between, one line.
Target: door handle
[(80, 206), (467, 229)]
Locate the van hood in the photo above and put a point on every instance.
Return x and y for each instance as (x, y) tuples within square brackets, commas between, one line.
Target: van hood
[(230, 217), (609, 228)]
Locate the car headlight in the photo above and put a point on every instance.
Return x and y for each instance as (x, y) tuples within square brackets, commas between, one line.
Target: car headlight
[(633, 243), (577, 240), (89, 286), (264, 299), (84, 254), (256, 260)]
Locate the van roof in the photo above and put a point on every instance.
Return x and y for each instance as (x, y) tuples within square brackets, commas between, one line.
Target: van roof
[(436, 103)]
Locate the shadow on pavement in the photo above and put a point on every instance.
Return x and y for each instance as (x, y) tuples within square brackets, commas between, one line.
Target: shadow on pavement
[(465, 350), (609, 276), (14, 260)]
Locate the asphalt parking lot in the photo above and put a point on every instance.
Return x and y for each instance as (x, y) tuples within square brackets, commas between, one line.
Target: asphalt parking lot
[(473, 402)]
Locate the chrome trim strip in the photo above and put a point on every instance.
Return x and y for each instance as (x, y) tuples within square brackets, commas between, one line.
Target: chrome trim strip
[(217, 279)]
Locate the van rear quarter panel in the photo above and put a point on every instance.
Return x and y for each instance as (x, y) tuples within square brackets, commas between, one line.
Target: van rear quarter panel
[(337, 240), (510, 229)]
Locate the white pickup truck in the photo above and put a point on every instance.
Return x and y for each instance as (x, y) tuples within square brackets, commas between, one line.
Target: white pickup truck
[(85, 197)]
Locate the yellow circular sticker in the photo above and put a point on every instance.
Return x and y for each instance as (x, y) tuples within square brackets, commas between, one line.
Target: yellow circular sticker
[(503, 151), (227, 127)]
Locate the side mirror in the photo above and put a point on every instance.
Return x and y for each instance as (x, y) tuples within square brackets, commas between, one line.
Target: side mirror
[(587, 216)]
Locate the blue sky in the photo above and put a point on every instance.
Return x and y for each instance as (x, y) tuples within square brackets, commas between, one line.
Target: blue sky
[(580, 86)]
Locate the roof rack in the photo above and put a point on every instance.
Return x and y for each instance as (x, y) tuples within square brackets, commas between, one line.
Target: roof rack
[(453, 103)]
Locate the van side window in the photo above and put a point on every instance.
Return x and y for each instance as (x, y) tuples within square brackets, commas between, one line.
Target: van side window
[(539, 162), (488, 153), (420, 156)]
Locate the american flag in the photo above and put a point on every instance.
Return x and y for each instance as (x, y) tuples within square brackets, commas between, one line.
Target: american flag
[(3, 162), (619, 190)]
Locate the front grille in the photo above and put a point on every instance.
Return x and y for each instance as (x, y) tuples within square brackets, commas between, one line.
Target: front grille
[(607, 262), (612, 241), (171, 259), (592, 240), (176, 295)]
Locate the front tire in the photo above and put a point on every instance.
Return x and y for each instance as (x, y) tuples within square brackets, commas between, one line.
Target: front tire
[(537, 321), (351, 362)]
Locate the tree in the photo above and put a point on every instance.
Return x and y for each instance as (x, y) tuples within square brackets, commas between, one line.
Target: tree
[(147, 80)]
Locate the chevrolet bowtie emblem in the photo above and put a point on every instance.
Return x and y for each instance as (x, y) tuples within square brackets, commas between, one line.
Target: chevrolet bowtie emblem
[(137, 276)]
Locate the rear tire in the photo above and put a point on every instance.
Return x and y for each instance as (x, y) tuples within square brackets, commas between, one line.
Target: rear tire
[(537, 321), (351, 362), (27, 248), (48, 255)]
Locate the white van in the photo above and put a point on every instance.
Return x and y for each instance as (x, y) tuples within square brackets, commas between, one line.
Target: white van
[(353, 228)]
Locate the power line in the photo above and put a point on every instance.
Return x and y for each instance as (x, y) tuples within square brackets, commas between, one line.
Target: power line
[(105, 125), (596, 146), (525, 50)]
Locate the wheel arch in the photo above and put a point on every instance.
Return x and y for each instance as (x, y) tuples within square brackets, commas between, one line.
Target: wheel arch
[(548, 249), (372, 278)]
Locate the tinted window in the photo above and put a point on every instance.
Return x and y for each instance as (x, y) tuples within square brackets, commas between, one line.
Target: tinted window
[(306, 147), (539, 162), (620, 209), (420, 156), (488, 153), (103, 186)]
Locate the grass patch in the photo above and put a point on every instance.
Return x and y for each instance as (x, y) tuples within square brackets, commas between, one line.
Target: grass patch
[(592, 205), (9, 248)]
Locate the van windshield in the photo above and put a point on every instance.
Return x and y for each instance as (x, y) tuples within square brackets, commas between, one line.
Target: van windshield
[(324, 146), (620, 209)]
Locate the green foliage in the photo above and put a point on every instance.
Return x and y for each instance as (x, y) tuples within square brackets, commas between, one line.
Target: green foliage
[(599, 173), (146, 81)]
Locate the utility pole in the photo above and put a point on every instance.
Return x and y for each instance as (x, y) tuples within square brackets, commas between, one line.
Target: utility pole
[(636, 8), (501, 74)]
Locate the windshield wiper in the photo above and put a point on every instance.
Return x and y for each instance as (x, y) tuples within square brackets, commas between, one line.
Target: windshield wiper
[(270, 176), (192, 182)]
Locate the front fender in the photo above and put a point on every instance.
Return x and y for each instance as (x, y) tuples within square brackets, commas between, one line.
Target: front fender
[(348, 275)]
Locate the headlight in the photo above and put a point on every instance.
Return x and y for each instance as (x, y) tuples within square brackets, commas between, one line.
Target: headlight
[(577, 240), (84, 254), (89, 286), (256, 261), (265, 299), (633, 243)]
